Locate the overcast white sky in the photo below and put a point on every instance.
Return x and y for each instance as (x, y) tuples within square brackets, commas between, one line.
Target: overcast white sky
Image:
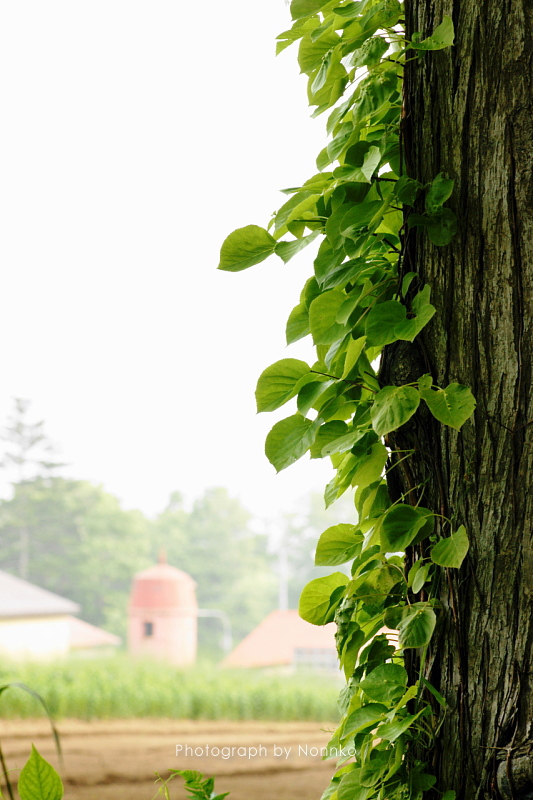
[(136, 135)]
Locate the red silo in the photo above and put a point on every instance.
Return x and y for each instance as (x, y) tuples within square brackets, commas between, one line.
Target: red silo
[(163, 614)]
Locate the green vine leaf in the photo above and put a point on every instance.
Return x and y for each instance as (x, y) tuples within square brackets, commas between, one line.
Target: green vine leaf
[(370, 467), (338, 544), (440, 190), (360, 218), (288, 440), (322, 317), (442, 36), (392, 730), (365, 717), (279, 382), (425, 382), (286, 250), (386, 683), (382, 322), (358, 301), (342, 444), (451, 552), (409, 329), (327, 433), (370, 53), (302, 8), (320, 598), (406, 190), (438, 697), (353, 351), (423, 310), (246, 247), (310, 394), (297, 324), (377, 766), (300, 204), (417, 625), (350, 787), (420, 781), (418, 575), (441, 226), (401, 525), (452, 406), (349, 10), (393, 406), (364, 172), (372, 501), (311, 54)]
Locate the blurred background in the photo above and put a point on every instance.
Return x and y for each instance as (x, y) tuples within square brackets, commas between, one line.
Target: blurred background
[(136, 137)]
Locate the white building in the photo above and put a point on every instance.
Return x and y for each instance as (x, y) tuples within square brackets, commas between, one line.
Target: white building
[(35, 623)]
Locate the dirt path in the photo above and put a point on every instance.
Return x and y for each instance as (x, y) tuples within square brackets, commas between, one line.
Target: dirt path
[(116, 759)]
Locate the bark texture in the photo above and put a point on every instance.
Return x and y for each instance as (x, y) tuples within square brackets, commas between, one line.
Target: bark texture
[(469, 113)]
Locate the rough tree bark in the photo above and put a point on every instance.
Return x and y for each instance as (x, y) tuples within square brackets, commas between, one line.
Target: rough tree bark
[(469, 113)]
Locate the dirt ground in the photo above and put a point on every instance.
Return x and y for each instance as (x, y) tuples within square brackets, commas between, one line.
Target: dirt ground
[(117, 759)]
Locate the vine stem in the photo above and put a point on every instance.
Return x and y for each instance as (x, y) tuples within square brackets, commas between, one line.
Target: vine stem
[(345, 380)]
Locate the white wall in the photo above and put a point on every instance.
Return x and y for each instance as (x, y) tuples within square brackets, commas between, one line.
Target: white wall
[(34, 637)]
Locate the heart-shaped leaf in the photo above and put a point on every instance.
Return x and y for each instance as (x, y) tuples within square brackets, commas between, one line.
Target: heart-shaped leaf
[(450, 552)]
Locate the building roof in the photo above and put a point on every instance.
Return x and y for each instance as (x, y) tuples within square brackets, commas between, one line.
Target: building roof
[(279, 635), (275, 639), (165, 572), (162, 587), (19, 598), (83, 634)]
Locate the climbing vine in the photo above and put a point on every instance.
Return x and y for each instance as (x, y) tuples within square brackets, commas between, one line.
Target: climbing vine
[(363, 296)]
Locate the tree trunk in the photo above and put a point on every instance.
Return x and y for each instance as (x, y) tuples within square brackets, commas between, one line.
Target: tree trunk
[(468, 113)]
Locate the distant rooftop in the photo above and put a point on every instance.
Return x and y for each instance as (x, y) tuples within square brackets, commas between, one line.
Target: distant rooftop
[(83, 634), (276, 638), (284, 638), (19, 598)]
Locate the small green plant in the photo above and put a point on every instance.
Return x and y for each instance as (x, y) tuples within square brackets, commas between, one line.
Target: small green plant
[(199, 788), (28, 772), (39, 781)]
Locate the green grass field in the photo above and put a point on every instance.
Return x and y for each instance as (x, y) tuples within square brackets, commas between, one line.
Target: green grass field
[(119, 688)]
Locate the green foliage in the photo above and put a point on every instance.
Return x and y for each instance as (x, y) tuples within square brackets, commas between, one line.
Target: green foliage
[(338, 544), (401, 524), (118, 687), (320, 598), (83, 545), (451, 552), (442, 37), (199, 788), (358, 301), (280, 382), (246, 247), (29, 451), (288, 440), (416, 625), (452, 406), (392, 407), (38, 780)]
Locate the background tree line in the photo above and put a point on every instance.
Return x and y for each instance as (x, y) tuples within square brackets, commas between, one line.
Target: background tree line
[(73, 538)]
